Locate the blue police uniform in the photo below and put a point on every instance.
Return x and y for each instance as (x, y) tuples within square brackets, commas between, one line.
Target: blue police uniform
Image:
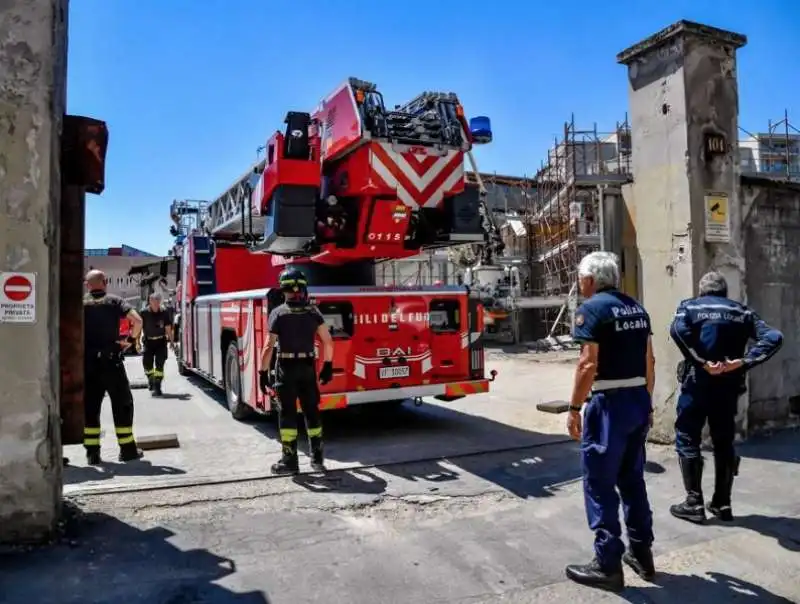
[(713, 328), (615, 424)]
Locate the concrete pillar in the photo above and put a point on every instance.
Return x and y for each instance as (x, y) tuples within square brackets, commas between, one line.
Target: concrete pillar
[(684, 118), (32, 102)]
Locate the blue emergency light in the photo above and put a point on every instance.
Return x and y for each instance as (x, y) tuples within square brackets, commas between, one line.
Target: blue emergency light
[(480, 127)]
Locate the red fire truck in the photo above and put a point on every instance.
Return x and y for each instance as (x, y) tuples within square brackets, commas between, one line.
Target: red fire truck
[(343, 187)]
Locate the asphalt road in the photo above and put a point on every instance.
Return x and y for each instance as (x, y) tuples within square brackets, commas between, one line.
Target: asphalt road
[(415, 514)]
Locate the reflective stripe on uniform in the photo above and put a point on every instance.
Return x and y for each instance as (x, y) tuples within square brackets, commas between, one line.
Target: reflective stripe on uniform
[(288, 435), (633, 382), (314, 432), (157, 373), (125, 436), (91, 437)]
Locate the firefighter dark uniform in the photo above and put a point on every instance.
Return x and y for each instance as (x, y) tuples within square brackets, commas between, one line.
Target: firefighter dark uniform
[(104, 372), (615, 427), (295, 323), (154, 328), (713, 328)]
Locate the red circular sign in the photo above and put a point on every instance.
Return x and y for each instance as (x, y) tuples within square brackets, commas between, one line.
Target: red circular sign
[(17, 288)]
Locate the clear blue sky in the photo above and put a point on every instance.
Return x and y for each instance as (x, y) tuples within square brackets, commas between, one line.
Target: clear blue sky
[(190, 88)]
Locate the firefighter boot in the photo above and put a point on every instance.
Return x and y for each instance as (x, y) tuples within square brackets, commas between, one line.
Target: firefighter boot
[(93, 457), (150, 382), (130, 452), (692, 508), (317, 457), (287, 464), (157, 387), (725, 468)]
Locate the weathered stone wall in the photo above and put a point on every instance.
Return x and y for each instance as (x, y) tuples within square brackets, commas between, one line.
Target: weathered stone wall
[(32, 101), (771, 225)]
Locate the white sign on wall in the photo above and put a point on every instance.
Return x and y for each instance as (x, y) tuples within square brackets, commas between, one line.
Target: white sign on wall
[(17, 297)]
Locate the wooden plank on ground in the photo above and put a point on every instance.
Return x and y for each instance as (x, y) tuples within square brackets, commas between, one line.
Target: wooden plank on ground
[(158, 441), (553, 407)]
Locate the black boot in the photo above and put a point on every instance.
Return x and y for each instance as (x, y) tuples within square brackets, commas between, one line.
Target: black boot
[(594, 575), (692, 508), (287, 464), (317, 456), (725, 468), (640, 559), (130, 452), (93, 457), (150, 383), (157, 387)]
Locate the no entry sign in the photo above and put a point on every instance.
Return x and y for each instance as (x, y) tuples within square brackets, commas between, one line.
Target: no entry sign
[(17, 297)]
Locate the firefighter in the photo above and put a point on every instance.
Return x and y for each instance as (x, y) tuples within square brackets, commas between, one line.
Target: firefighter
[(104, 370), (157, 326), (293, 327), (616, 369), (712, 332)]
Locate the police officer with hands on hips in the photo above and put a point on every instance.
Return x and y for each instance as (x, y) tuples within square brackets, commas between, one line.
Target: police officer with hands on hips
[(712, 331), (104, 369), (157, 326), (616, 373), (293, 327)]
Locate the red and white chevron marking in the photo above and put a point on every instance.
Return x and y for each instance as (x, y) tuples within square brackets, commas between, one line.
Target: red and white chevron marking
[(420, 180)]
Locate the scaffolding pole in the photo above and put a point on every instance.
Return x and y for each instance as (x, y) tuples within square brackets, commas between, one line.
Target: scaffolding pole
[(565, 217)]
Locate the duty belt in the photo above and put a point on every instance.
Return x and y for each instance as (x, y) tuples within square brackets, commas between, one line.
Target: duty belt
[(601, 385), (296, 355), (106, 355)]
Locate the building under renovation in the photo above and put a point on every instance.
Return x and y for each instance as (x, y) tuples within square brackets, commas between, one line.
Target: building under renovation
[(575, 190)]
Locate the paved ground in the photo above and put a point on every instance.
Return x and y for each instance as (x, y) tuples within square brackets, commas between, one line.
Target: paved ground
[(214, 446), (490, 528)]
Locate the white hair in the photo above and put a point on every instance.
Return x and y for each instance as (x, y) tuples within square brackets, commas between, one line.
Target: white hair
[(713, 283), (155, 296), (603, 267)]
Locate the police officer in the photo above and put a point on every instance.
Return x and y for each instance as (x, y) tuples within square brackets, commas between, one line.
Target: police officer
[(104, 370), (712, 331), (293, 326), (157, 326), (616, 373)]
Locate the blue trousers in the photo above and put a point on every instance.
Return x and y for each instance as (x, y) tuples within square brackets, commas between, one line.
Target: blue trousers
[(615, 427), (715, 403)]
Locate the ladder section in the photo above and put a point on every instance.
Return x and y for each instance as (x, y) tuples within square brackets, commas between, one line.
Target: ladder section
[(204, 266), (231, 215)]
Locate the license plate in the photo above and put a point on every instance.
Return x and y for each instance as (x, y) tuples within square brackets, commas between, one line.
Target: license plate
[(399, 371)]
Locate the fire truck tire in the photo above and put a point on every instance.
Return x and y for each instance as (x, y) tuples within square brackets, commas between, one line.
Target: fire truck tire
[(233, 385)]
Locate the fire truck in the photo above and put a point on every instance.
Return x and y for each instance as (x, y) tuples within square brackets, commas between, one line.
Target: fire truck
[(343, 187)]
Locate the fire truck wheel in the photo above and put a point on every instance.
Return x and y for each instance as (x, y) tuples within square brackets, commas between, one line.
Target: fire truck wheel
[(233, 385)]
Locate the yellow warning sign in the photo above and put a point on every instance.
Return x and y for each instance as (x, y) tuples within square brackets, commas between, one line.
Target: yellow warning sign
[(718, 218)]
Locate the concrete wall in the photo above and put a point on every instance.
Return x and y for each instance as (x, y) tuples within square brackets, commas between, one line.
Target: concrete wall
[(772, 238), (32, 103), (682, 87), (662, 219)]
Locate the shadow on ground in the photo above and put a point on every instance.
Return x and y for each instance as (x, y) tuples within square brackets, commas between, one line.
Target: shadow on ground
[(102, 560), (395, 435), (779, 446), (785, 530), (709, 587), (108, 470)]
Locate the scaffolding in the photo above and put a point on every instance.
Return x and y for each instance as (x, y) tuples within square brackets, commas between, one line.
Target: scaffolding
[(774, 153), (566, 219)]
